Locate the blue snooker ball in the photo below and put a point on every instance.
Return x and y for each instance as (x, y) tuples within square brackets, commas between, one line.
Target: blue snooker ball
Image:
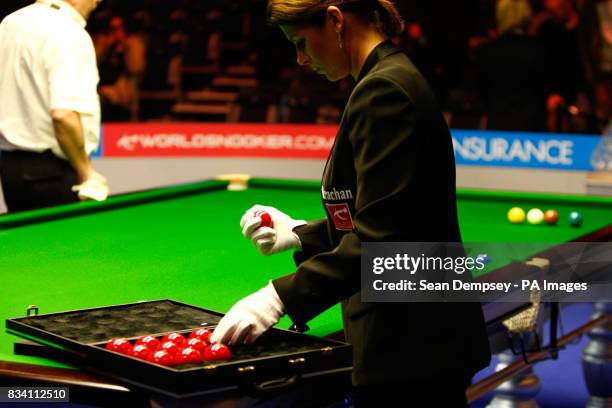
[(575, 219), (484, 258)]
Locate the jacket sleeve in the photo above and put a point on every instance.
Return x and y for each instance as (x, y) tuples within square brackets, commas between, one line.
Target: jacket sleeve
[(314, 239), (382, 133)]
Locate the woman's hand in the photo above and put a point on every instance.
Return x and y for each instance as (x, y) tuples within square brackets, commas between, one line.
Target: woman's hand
[(270, 239)]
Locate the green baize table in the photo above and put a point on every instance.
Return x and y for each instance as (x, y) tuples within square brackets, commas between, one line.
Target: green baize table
[(185, 243)]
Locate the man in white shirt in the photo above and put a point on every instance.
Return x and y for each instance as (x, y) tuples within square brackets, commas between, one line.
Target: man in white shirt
[(49, 110)]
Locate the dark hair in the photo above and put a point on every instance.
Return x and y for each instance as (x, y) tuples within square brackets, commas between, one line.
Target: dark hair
[(382, 13)]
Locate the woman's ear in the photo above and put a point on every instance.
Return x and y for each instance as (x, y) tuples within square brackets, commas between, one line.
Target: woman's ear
[(335, 17)]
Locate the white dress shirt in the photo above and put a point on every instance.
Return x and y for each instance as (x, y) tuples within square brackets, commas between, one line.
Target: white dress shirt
[(47, 61)]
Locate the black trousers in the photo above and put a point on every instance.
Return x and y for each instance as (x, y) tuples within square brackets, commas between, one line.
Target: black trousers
[(446, 392), (33, 180)]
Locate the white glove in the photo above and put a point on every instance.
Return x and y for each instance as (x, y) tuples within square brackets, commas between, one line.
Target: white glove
[(250, 318), (271, 240), (92, 189)]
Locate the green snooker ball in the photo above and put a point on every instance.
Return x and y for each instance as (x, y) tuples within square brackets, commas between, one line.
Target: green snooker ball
[(575, 219)]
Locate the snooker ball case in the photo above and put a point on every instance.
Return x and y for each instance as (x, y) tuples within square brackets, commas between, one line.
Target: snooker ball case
[(277, 358)]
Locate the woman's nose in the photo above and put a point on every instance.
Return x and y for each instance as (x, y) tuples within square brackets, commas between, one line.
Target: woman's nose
[(302, 58)]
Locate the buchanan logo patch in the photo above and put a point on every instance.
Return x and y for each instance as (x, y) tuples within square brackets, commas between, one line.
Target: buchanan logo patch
[(341, 215)]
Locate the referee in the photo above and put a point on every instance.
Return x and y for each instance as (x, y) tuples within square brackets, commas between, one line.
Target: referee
[(390, 177), (50, 111)]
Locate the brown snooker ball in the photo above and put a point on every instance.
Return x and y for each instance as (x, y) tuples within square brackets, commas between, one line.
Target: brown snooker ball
[(551, 217)]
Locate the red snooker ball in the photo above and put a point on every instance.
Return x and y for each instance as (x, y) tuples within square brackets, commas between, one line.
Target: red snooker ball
[(162, 357), (202, 334), (170, 347), (188, 355), (197, 344), (141, 351), (151, 342), (217, 351), (175, 338), (551, 217), (119, 345), (266, 219)]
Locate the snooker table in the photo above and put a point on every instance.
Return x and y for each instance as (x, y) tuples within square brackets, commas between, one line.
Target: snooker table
[(184, 243)]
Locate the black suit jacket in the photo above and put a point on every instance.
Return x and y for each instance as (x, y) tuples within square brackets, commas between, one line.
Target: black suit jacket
[(390, 177)]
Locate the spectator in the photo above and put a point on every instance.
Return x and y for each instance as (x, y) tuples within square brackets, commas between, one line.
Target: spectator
[(511, 72), (604, 12), (166, 42), (414, 42), (121, 60), (595, 30), (555, 26), (603, 102)]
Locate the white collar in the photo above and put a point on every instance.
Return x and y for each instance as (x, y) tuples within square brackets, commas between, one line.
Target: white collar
[(65, 8)]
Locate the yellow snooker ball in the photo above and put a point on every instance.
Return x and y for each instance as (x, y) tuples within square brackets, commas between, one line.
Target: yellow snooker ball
[(516, 215), (535, 216)]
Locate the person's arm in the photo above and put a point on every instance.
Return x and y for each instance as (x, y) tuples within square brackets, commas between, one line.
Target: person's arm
[(388, 146), (69, 135), (72, 75), (383, 124), (314, 238)]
